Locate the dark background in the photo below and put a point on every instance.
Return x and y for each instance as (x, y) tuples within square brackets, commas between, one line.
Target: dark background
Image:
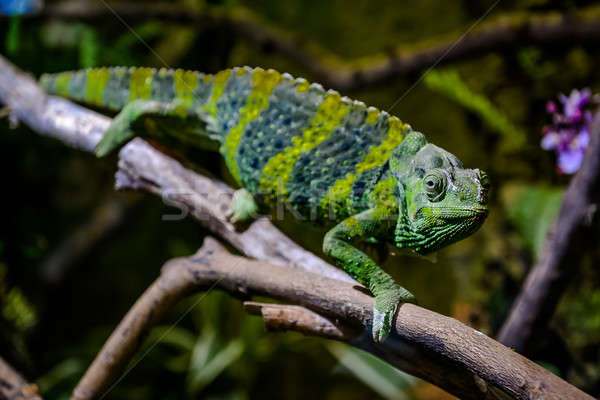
[(51, 329)]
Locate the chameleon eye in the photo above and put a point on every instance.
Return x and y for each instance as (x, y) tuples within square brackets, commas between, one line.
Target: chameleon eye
[(435, 183)]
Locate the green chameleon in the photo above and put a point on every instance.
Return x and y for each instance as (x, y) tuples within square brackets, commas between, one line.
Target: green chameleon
[(362, 173)]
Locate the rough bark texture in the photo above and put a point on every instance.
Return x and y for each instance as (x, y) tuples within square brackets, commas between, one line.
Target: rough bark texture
[(505, 31), (439, 349), (282, 317), (560, 259)]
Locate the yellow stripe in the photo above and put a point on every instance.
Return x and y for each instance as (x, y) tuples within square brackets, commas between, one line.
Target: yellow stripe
[(95, 83), (372, 115), (217, 91), (140, 84), (185, 84), (302, 85), (339, 193), (263, 83), (379, 154), (277, 172), (382, 194), (353, 225), (62, 84)]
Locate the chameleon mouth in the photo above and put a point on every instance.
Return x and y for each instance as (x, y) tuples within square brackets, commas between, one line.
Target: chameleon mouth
[(435, 227), (452, 214)]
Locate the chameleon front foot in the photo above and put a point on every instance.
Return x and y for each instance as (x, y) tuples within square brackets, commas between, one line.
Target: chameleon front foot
[(243, 207), (386, 304)]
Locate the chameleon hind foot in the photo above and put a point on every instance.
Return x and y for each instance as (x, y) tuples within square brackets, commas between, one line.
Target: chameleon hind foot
[(131, 118), (116, 134), (243, 207), (386, 304)]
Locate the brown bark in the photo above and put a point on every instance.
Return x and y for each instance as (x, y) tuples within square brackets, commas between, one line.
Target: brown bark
[(283, 317), (431, 346)]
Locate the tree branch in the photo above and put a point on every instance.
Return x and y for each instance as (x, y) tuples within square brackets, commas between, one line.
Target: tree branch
[(143, 167), (505, 31), (13, 386), (436, 348), (283, 317), (569, 235)]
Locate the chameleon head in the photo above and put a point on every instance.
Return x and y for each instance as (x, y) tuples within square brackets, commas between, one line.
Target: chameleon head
[(440, 202)]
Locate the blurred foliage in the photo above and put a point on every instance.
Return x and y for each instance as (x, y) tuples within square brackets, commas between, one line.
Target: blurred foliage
[(448, 83), (488, 110), (12, 36), (384, 379), (17, 314), (60, 378), (532, 214), (584, 317)]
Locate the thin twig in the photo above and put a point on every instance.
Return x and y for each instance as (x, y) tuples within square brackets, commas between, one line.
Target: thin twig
[(505, 31), (13, 386), (285, 317), (567, 239), (431, 346)]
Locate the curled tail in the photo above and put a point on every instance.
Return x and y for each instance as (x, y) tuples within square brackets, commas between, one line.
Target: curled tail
[(112, 88)]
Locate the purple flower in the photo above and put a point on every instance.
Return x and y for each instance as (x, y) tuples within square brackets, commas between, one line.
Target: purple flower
[(569, 133), (551, 107)]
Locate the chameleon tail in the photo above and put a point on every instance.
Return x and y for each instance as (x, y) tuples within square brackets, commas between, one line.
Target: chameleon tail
[(112, 88), (169, 102)]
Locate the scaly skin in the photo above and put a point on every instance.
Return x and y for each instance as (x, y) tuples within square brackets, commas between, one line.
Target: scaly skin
[(336, 162)]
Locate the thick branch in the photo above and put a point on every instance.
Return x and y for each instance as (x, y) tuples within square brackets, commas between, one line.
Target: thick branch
[(436, 348), (13, 386), (551, 28), (558, 263), (143, 167)]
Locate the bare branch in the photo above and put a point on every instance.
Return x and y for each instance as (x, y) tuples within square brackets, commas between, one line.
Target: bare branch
[(13, 386), (282, 317), (561, 257), (143, 167), (436, 348), (505, 31)]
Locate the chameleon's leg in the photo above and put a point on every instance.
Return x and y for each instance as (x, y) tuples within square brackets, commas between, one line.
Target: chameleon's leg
[(243, 206), (122, 127), (338, 243)]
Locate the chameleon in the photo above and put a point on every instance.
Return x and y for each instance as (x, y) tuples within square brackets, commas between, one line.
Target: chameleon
[(361, 173)]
